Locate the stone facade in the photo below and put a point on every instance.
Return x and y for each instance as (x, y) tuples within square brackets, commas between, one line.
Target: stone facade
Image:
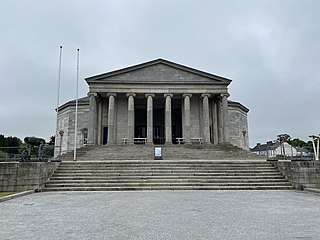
[(301, 174), (17, 177), (158, 102)]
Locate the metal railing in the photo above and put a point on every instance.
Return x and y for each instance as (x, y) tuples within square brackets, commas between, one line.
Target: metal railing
[(301, 154), (43, 153)]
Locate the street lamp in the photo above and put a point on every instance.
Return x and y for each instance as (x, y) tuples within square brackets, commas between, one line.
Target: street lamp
[(315, 142)]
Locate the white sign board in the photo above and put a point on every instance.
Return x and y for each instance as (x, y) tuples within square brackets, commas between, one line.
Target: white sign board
[(157, 152)]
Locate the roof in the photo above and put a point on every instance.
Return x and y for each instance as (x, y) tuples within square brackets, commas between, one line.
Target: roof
[(81, 101), (237, 104), (158, 71), (265, 147)]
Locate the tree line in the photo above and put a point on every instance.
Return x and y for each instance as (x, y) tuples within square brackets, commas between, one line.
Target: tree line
[(295, 142), (12, 144)]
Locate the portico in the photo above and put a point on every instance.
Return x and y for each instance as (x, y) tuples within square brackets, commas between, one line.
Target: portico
[(157, 102), (150, 104)]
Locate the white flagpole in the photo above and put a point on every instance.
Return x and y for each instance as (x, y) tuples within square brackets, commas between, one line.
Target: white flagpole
[(76, 115), (59, 79), (58, 97)]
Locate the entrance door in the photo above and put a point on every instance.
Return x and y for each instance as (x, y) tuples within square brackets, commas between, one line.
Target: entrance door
[(176, 118), (158, 134), (158, 121), (105, 135)]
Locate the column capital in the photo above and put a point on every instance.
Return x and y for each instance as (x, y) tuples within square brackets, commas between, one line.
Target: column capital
[(224, 95), (149, 95), (111, 94), (92, 94), (168, 95), (186, 95), (131, 95), (206, 95)]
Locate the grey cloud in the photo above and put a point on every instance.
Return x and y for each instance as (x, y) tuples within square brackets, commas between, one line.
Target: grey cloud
[(269, 48)]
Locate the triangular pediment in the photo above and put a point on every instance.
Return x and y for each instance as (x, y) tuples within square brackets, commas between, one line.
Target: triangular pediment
[(159, 71)]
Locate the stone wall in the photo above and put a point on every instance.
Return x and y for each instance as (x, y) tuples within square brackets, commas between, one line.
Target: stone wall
[(16, 177), (66, 121), (305, 174), (122, 118), (238, 127)]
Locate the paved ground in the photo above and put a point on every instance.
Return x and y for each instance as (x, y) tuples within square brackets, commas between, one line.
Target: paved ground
[(162, 215)]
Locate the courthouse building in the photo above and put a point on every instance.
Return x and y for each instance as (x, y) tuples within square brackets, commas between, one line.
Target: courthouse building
[(157, 102)]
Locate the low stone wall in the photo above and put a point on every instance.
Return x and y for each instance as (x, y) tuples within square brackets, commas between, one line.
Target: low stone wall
[(16, 176), (302, 174)]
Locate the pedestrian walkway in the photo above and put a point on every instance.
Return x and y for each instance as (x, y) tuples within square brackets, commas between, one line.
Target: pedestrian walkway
[(162, 215)]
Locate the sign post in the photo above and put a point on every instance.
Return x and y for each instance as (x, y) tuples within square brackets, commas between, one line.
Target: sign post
[(157, 153)]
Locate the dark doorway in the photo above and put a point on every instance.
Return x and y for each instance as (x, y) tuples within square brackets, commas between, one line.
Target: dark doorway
[(105, 135), (140, 118), (176, 118), (158, 121)]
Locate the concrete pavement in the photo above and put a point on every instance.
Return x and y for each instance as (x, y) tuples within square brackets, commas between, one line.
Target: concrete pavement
[(162, 215)]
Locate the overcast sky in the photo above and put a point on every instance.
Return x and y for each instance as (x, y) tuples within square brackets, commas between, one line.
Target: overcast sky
[(269, 48)]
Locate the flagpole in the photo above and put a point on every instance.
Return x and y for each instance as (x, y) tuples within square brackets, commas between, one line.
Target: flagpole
[(76, 114), (59, 79), (58, 98)]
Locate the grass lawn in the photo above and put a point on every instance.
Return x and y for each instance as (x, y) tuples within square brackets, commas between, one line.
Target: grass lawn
[(2, 194)]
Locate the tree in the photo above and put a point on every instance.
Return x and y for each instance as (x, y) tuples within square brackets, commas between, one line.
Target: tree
[(298, 143), (3, 141), (282, 138), (13, 143), (52, 140)]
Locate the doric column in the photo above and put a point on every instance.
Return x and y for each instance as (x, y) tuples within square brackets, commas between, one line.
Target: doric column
[(168, 123), (215, 122), (130, 97), (99, 130), (220, 121), (149, 117), (205, 118), (111, 116), (92, 121), (225, 109), (187, 118)]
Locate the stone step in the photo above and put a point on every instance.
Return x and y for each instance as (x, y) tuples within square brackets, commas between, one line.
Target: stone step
[(168, 188), (117, 184), (163, 166), (174, 177), (165, 180), (191, 168), (156, 170), (203, 151), (167, 174), (166, 162), (151, 168)]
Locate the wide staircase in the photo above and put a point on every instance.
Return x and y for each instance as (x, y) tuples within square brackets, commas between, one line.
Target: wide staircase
[(119, 175), (169, 152), (183, 167)]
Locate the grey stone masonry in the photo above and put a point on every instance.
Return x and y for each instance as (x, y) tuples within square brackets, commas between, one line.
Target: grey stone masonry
[(215, 122), (92, 118), (149, 117), (301, 174), (111, 118), (205, 112), (220, 122), (178, 103), (225, 117), (168, 124), (130, 97), (187, 118), (16, 177)]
